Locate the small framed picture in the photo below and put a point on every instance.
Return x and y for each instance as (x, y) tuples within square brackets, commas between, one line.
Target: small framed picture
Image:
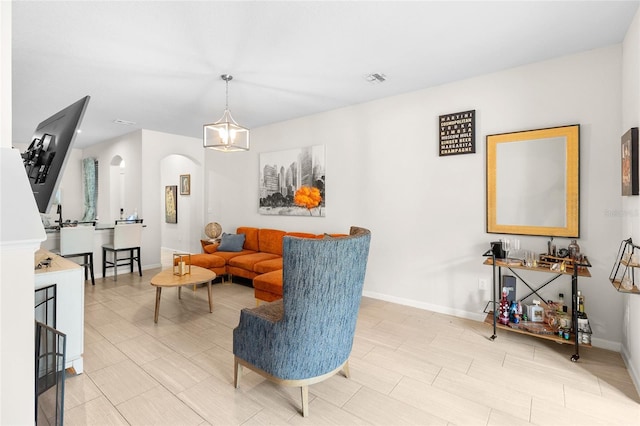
[(630, 162), (185, 184), (171, 204)]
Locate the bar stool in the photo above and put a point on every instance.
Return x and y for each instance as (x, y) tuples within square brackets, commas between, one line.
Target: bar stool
[(127, 237), (76, 241)]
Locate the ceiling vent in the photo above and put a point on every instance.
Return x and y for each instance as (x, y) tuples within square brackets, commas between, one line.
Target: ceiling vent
[(376, 78), (125, 122)]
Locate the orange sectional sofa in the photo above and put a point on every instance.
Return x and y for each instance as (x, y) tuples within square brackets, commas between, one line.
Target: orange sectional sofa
[(259, 260)]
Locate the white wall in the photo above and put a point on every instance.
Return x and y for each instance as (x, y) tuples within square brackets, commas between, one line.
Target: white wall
[(144, 152), (71, 192), (5, 76), (129, 148), (427, 213), (631, 205), (156, 147), (185, 235)]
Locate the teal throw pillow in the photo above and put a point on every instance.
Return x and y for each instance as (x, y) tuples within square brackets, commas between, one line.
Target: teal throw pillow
[(231, 242)]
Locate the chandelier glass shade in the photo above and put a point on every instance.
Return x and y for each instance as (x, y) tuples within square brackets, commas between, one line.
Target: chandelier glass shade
[(225, 134)]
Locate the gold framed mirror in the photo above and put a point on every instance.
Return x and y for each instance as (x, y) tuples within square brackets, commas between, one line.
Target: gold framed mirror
[(533, 182)]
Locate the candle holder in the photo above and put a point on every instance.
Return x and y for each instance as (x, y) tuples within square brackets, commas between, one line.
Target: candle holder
[(180, 267)]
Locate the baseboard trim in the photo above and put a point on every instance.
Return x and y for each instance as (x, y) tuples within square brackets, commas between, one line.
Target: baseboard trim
[(606, 344), (635, 376), (426, 306)]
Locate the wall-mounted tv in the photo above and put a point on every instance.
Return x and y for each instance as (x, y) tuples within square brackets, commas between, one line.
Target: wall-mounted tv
[(46, 157)]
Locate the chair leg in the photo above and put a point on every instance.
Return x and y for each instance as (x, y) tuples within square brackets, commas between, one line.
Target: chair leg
[(104, 263), (345, 370), (131, 260), (85, 265), (237, 372), (139, 265), (304, 391), (93, 280)]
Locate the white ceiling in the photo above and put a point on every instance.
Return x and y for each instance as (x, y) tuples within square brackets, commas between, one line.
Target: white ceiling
[(158, 64)]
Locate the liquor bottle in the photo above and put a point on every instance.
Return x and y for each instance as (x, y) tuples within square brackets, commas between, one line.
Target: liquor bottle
[(561, 306), (535, 313), (515, 312), (574, 250), (504, 308), (580, 302)]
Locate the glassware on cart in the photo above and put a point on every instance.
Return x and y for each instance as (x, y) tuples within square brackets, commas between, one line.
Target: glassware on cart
[(515, 245), (506, 247), (528, 258)]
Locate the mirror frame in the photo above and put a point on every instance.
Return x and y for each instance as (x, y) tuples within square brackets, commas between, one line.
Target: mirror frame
[(572, 178)]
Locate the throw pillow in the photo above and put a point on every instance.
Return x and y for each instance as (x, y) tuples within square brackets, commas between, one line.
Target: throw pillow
[(211, 248), (231, 242)]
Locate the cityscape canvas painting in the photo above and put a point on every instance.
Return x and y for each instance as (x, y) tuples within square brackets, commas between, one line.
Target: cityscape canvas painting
[(292, 182)]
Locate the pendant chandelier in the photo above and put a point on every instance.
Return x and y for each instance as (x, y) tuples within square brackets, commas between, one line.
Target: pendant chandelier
[(225, 134)]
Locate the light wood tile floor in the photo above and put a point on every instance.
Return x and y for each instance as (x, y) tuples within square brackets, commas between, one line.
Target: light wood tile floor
[(408, 366)]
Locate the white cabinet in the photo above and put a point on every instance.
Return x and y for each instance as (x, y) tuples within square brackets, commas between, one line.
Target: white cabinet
[(69, 279)]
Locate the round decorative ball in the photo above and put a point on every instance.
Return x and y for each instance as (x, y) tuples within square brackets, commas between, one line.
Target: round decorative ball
[(213, 230)]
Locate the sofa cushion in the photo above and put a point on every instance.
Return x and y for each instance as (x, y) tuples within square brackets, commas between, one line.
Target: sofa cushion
[(271, 241), (226, 255), (234, 271), (271, 282), (205, 243), (208, 261), (248, 261), (268, 265), (251, 237), (211, 248), (231, 242)]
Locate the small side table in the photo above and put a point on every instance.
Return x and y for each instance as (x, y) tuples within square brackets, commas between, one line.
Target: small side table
[(167, 278)]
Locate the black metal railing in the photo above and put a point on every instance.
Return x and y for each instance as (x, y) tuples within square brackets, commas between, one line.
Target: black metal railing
[(50, 358)]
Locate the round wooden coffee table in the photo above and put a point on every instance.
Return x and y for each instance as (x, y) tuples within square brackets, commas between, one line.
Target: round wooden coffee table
[(166, 278)]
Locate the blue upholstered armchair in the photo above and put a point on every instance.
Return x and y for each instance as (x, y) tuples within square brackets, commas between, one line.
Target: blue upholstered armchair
[(306, 337)]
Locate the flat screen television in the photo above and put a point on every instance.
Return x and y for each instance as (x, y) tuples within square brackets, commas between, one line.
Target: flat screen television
[(46, 157)]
